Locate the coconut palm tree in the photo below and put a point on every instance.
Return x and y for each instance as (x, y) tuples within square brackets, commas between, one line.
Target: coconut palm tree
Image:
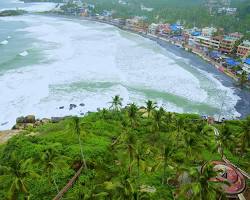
[(199, 186), (52, 160), (245, 135), (17, 172), (133, 114), (167, 152), (191, 143), (127, 187), (116, 103), (77, 131), (158, 116), (179, 124), (225, 139), (169, 119), (243, 79), (150, 107), (129, 143), (104, 113)]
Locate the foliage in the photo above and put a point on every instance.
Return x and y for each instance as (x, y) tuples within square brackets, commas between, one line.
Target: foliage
[(190, 13), (11, 13), (128, 155)]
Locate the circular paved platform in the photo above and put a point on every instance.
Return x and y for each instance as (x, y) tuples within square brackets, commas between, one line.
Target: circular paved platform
[(236, 183)]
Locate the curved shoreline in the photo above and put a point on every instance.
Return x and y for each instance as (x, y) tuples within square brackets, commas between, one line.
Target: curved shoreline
[(242, 106)]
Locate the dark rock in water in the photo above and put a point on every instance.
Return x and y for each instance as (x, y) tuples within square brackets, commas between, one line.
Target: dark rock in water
[(30, 119), (61, 107), (20, 120), (56, 119), (4, 123), (82, 104), (71, 106)]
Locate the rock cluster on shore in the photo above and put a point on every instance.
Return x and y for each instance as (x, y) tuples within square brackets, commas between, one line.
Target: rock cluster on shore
[(31, 121)]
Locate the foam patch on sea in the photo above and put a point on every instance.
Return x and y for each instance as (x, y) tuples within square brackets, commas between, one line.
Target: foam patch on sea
[(88, 62), (31, 7)]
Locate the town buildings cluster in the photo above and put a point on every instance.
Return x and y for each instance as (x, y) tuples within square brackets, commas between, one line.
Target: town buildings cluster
[(229, 52)]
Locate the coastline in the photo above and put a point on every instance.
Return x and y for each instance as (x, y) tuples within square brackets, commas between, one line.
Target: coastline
[(242, 106), (194, 60)]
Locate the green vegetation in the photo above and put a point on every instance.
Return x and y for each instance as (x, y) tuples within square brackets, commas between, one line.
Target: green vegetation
[(127, 153), (6, 13), (55, 1), (190, 13)]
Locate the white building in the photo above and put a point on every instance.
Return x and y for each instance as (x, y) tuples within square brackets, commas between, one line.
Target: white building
[(207, 42), (208, 31), (146, 9), (153, 28)]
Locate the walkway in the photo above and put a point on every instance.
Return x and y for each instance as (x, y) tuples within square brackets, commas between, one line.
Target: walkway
[(220, 150)]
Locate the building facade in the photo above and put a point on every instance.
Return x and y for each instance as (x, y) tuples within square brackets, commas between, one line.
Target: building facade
[(244, 49)]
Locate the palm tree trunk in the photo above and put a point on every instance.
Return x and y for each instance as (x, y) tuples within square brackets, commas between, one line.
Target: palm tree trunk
[(130, 159), (83, 159), (164, 171), (138, 177)]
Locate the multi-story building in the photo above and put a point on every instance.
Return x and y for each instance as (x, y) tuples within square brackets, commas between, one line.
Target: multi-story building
[(213, 5), (236, 35), (137, 24), (227, 11), (209, 42), (228, 42), (164, 29), (244, 49), (208, 31), (153, 28)]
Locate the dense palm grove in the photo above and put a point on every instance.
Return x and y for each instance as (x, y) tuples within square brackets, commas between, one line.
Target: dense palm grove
[(126, 153)]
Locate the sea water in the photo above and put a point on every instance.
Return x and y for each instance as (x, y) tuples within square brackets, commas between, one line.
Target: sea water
[(51, 62)]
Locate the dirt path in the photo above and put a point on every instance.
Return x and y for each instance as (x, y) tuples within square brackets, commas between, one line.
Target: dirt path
[(6, 135)]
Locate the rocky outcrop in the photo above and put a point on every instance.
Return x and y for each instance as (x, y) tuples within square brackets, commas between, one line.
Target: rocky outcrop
[(72, 106), (29, 121), (25, 120)]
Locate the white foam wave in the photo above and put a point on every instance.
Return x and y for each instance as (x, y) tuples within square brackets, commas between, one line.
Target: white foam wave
[(17, 1), (4, 42), (32, 7), (24, 53), (85, 56)]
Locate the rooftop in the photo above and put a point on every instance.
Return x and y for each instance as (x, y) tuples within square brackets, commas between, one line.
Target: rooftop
[(229, 38)]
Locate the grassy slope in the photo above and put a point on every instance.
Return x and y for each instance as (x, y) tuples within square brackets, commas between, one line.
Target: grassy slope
[(107, 138)]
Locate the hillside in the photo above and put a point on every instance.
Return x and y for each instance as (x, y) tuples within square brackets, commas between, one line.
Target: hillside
[(191, 13), (129, 154)]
